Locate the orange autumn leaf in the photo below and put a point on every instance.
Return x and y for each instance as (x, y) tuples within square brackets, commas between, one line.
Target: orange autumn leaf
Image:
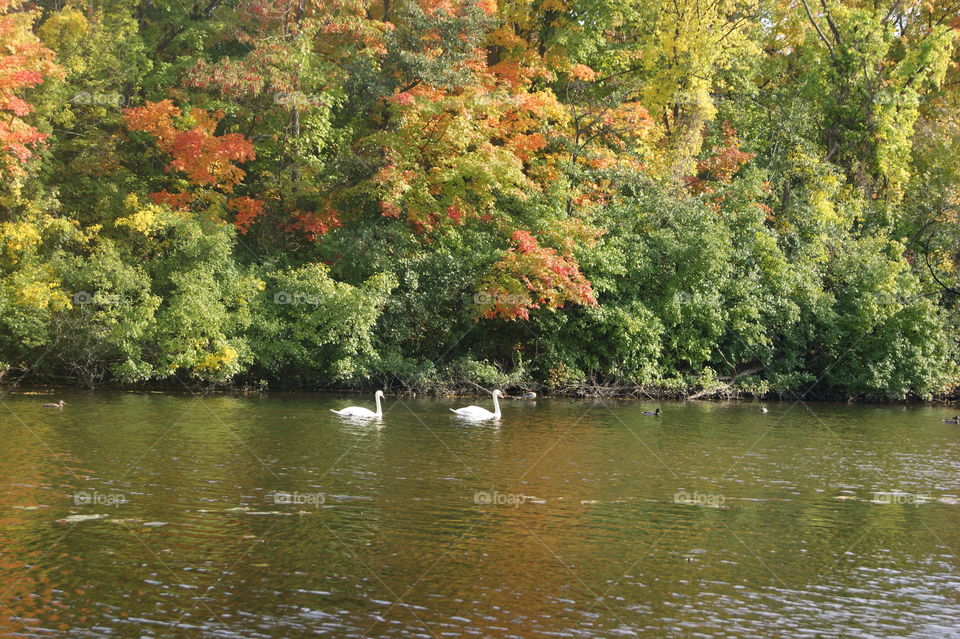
[(314, 225), (176, 201), (206, 158), (721, 165), (530, 276), (247, 211), (24, 63), (582, 72)]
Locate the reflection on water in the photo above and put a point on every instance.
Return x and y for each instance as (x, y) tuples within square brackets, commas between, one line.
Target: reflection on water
[(153, 515)]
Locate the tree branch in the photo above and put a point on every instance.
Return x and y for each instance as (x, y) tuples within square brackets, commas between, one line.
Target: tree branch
[(816, 26)]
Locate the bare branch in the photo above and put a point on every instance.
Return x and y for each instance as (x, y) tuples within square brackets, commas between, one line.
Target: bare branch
[(817, 27)]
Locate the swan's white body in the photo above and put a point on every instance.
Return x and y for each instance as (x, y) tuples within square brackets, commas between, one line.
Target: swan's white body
[(360, 411), (475, 412)]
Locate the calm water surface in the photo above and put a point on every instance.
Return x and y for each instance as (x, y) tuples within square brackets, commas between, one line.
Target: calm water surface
[(149, 515)]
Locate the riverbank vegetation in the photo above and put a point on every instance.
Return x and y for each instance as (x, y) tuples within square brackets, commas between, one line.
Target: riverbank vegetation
[(742, 196)]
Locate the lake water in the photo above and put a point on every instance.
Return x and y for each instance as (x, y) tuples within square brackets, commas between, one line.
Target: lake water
[(152, 515)]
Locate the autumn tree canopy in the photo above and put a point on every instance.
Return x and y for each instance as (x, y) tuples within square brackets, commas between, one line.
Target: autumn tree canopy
[(548, 192)]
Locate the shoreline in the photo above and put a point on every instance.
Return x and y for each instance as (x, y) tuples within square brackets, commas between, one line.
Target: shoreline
[(574, 392)]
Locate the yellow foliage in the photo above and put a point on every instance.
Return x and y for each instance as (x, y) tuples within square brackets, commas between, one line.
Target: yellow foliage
[(223, 358), (553, 5), (146, 220), (36, 289), (63, 32), (18, 237)]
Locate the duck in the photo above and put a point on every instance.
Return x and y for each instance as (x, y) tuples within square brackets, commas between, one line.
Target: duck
[(763, 409), (955, 420), (360, 411), (475, 412), (652, 413), (530, 395), (54, 404)]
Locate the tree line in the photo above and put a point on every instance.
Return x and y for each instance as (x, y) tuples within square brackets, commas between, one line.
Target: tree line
[(584, 196)]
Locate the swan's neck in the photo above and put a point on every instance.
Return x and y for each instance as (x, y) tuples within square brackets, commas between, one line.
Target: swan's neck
[(496, 407), (379, 410)]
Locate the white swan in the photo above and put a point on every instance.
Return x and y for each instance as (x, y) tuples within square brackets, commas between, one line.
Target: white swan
[(360, 411), (475, 412)]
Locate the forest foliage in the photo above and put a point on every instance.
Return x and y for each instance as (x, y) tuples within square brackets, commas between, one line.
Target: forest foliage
[(568, 195)]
